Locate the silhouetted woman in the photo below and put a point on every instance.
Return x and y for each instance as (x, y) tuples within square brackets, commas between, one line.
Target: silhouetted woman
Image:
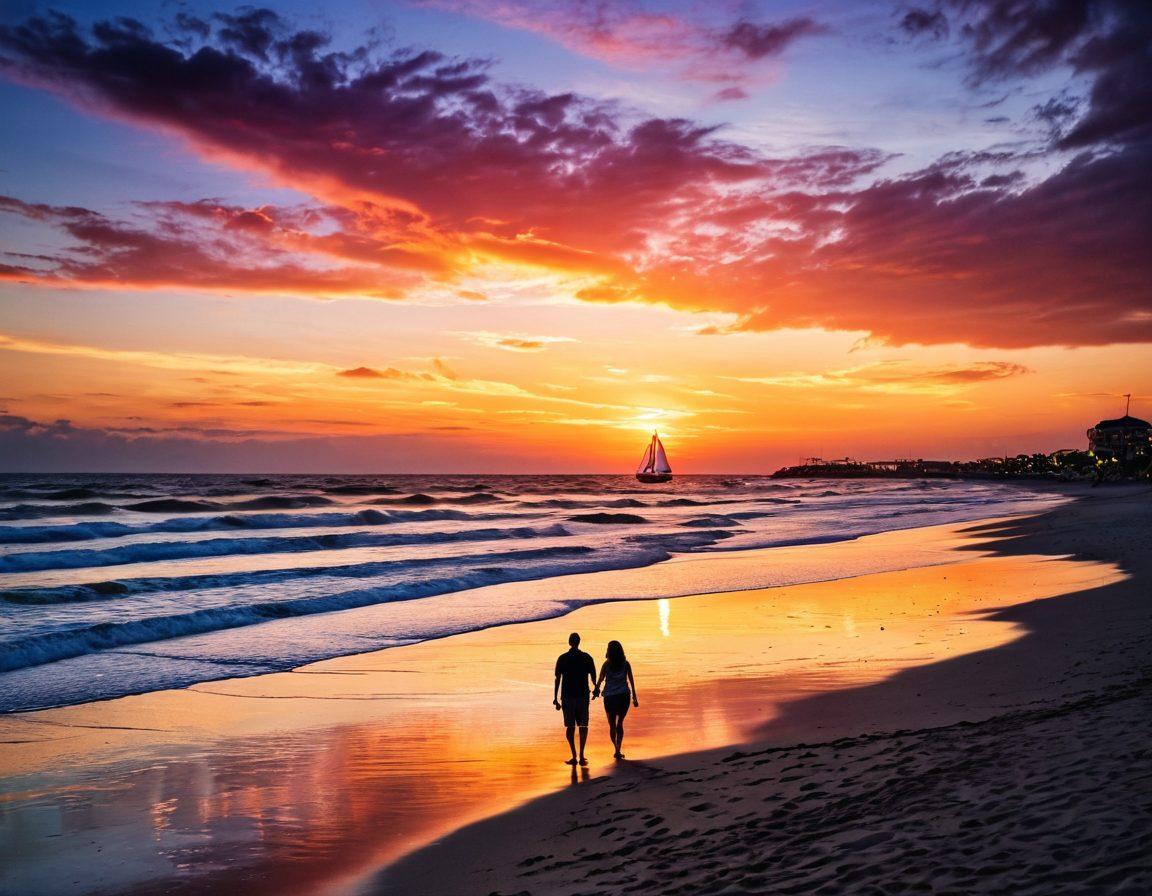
[(618, 689)]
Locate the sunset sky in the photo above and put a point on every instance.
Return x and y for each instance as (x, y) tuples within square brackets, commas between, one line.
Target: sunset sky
[(514, 236)]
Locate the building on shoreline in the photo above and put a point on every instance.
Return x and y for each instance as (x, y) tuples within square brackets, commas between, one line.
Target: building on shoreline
[(1121, 448), (1126, 439)]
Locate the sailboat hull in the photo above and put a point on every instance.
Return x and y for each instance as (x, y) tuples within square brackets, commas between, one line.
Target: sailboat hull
[(653, 478)]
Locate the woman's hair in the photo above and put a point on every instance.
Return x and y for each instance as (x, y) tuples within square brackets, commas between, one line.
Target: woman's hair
[(615, 654)]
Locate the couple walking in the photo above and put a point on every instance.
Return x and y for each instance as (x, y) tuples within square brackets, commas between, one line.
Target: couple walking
[(575, 670)]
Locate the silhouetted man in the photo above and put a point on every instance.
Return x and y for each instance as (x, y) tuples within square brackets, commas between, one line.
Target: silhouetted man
[(575, 674)]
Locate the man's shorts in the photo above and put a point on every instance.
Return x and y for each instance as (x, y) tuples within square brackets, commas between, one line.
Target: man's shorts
[(575, 711)]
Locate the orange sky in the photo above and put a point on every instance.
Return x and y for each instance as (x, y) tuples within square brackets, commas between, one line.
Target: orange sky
[(420, 262)]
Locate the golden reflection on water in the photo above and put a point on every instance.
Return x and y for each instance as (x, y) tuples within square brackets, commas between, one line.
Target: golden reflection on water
[(299, 782)]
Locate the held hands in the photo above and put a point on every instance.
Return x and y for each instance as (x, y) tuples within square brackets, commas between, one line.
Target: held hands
[(596, 693)]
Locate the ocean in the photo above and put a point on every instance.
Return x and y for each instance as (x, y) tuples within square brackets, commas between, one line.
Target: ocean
[(114, 585)]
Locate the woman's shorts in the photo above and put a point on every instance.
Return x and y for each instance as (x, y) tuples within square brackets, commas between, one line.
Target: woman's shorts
[(617, 704)]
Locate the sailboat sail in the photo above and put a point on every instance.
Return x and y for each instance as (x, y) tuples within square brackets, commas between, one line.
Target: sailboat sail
[(646, 461), (661, 465)]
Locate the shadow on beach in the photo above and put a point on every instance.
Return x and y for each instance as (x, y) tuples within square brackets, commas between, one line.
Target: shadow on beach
[(1084, 639)]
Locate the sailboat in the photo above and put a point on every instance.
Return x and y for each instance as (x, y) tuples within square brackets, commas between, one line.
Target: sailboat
[(654, 465)]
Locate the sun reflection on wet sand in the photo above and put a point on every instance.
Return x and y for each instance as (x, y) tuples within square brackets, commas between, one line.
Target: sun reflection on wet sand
[(301, 782)]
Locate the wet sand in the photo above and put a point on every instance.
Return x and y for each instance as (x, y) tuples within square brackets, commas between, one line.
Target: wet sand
[(1021, 767), (309, 781)]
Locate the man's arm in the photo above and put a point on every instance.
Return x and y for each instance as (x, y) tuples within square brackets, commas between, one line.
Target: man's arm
[(556, 687), (599, 681)]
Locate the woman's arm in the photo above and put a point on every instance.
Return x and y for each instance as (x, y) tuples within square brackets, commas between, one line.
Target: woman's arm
[(632, 682), (600, 680)]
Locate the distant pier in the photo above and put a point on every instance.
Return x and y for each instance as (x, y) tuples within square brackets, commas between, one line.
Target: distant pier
[(1064, 466)]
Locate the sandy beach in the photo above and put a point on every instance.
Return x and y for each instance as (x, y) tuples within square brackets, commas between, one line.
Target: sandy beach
[(1019, 767), (926, 707)]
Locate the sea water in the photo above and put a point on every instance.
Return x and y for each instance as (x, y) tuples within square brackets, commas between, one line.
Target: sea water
[(112, 585)]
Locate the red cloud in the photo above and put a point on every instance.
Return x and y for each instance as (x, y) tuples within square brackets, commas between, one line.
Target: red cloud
[(202, 246), (416, 131), (937, 258), (421, 163)]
